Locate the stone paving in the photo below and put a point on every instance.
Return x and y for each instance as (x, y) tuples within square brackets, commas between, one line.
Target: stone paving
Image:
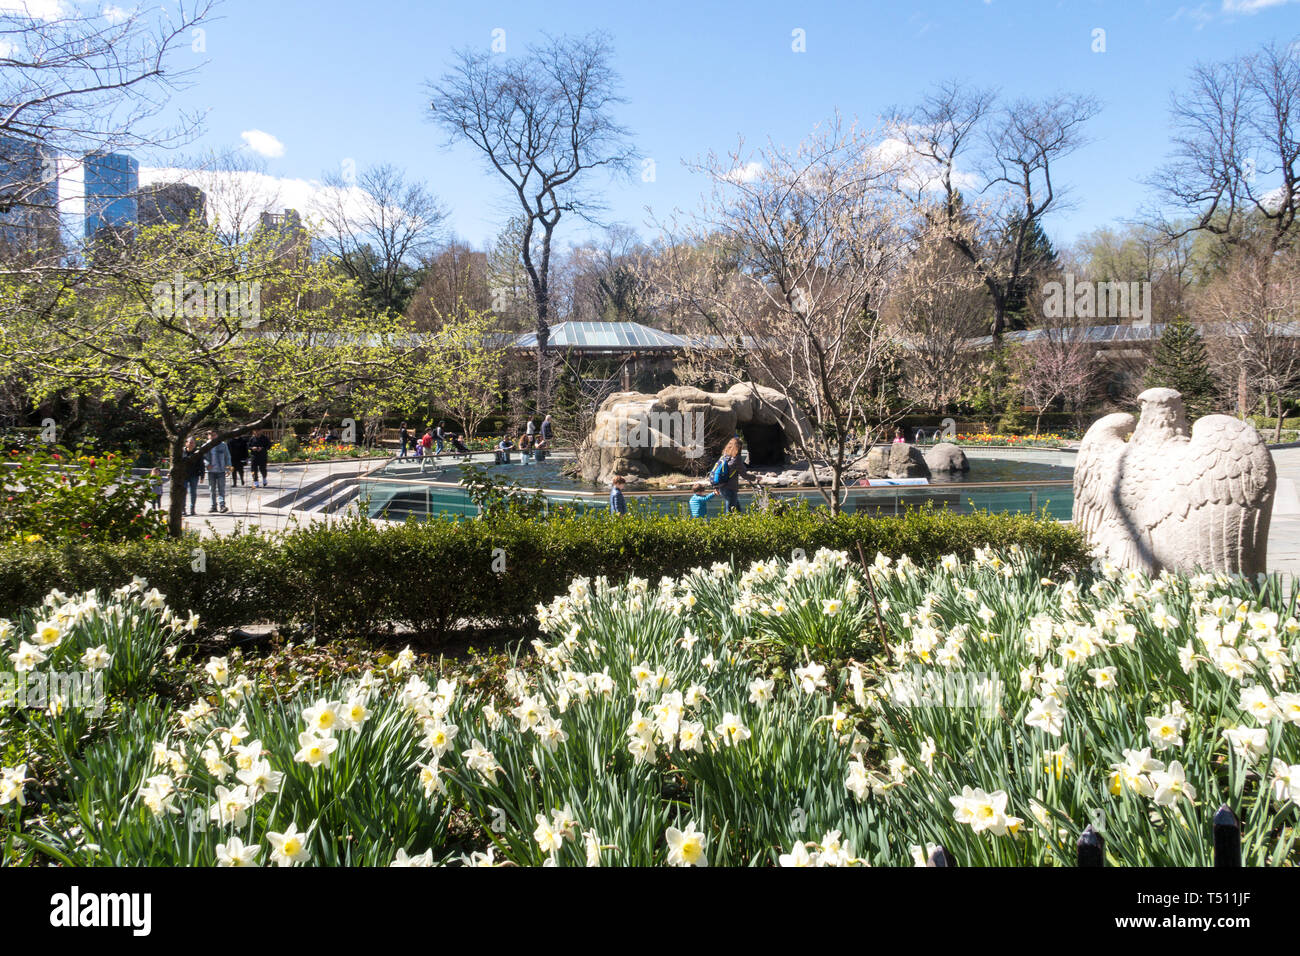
[(1284, 531), (252, 507)]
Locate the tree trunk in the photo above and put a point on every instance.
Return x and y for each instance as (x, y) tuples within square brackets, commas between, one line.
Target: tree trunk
[(1277, 429), (176, 490)]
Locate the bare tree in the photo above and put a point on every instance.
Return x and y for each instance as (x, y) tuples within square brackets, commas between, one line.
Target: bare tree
[(1057, 361), (787, 267), (1254, 308), (993, 169), (1235, 169), (378, 229), (74, 83), (936, 305), (544, 122), (455, 278)]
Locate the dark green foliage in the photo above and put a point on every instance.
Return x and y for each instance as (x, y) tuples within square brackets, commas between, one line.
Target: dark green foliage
[(51, 493), (359, 578), (1180, 362)]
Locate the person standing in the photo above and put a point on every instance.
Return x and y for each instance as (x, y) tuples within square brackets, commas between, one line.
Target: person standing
[(218, 462), (156, 488), (617, 502), (259, 447), (238, 458), (404, 435), (440, 436), (726, 475), (188, 480), (548, 430), (530, 428)]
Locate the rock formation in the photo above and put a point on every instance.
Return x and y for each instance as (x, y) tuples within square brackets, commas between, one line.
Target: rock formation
[(896, 460), (946, 457), (682, 430)]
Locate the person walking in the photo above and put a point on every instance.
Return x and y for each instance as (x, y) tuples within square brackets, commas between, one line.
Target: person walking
[(404, 435), (238, 459), (218, 462), (440, 436), (617, 502), (188, 480), (726, 474), (530, 427), (259, 448)]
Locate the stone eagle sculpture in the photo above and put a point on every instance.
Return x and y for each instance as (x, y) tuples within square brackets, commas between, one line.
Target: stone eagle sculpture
[(1164, 499)]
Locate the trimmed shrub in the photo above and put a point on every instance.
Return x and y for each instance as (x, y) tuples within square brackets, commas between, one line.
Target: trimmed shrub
[(356, 577)]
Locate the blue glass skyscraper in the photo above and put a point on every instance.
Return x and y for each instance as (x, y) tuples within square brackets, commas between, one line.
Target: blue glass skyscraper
[(112, 183), (29, 216)]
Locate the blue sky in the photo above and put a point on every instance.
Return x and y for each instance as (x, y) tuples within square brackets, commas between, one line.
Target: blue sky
[(333, 81)]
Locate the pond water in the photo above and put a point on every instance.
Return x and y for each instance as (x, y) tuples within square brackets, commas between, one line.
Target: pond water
[(400, 489), (548, 473)]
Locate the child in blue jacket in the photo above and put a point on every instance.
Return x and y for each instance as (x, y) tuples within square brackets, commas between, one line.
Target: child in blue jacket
[(700, 500)]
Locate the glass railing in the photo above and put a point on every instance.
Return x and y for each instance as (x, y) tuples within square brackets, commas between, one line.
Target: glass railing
[(396, 499)]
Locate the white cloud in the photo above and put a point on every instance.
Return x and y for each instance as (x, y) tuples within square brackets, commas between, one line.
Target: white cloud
[(1251, 6), (262, 143), (115, 14), (245, 193), (745, 174), (34, 9), (919, 173)]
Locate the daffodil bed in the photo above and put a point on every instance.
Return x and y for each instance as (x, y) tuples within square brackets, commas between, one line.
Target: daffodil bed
[(1007, 710)]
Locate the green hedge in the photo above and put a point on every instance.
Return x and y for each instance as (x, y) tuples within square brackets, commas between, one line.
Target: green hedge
[(360, 578)]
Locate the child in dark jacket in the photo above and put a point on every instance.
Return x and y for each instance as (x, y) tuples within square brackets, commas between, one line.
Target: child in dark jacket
[(617, 503)]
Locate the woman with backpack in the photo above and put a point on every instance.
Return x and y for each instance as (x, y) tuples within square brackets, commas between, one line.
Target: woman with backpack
[(726, 474)]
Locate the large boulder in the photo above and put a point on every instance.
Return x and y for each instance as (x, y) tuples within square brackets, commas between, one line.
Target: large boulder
[(681, 430), (946, 457), (896, 460)]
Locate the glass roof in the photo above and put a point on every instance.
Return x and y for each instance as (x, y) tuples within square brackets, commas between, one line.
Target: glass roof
[(605, 336)]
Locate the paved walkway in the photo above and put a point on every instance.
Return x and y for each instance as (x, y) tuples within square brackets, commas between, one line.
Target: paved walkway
[(1284, 531), (252, 507)]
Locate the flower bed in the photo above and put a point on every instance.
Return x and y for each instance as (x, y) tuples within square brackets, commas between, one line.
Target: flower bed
[(649, 727), (1044, 440)]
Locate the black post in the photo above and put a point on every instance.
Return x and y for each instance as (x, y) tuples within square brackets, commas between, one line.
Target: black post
[(940, 857), (1092, 847), (1227, 838)]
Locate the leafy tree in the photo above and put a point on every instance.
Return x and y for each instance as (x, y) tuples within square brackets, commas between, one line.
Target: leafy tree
[(1180, 362), (468, 357), (194, 330)]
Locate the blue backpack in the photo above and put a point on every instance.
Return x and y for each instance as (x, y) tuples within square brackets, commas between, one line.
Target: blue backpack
[(721, 472)]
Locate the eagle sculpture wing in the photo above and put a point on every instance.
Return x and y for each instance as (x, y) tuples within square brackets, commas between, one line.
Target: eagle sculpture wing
[(1218, 499), (1095, 476)]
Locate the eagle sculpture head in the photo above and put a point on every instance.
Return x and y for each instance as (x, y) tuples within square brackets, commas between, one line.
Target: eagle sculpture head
[(1162, 415)]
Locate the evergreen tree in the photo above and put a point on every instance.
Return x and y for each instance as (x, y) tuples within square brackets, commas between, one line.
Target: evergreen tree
[(1180, 363), (1039, 257)]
